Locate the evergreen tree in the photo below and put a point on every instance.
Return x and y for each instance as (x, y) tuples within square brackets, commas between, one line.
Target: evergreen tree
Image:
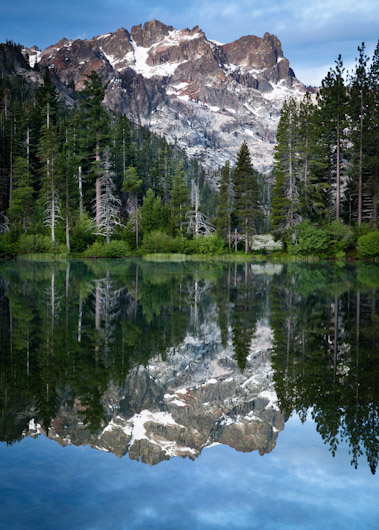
[(223, 219), (245, 194), (21, 207), (96, 127), (152, 213), (179, 199), (133, 186), (358, 109), (332, 100), (286, 211), (372, 138), (51, 176)]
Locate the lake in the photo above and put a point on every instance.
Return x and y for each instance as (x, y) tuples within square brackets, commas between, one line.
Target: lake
[(181, 395)]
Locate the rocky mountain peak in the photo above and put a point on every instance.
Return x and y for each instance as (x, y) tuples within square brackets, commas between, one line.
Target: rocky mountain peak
[(205, 96), (254, 52), (151, 33)]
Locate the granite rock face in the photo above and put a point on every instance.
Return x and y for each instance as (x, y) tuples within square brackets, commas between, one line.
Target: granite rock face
[(206, 96)]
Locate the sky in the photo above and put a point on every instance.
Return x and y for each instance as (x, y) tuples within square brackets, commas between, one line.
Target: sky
[(312, 33), (298, 485)]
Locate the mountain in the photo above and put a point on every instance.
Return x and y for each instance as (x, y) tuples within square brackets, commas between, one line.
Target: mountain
[(205, 96), (194, 399)]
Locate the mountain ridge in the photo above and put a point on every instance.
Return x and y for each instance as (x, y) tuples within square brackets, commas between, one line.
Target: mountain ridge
[(205, 96)]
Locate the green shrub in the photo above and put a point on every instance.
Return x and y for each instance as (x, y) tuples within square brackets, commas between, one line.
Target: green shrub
[(38, 244), (7, 246), (368, 245), (210, 244), (81, 235), (332, 240), (158, 241), (115, 249), (306, 239), (342, 237), (362, 230)]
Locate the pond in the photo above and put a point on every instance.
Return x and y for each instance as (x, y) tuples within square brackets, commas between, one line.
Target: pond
[(140, 394)]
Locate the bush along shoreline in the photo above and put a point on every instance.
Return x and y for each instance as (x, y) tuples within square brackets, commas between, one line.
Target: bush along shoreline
[(303, 242)]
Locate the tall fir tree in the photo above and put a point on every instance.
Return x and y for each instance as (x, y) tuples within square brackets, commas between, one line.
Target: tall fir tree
[(373, 134), (95, 120), (332, 100), (51, 175), (286, 211), (20, 210), (358, 109), (133, 186), (223, 216), (179, 199), (245, 195)]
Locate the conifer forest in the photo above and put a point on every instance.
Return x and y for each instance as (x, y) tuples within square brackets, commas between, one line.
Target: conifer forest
[(75, 178)]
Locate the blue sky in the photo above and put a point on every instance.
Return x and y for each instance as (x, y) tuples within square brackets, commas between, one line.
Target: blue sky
[(312, 33), (299, 485)]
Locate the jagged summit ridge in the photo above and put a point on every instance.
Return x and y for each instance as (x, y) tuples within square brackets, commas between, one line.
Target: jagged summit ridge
[(206, 96)]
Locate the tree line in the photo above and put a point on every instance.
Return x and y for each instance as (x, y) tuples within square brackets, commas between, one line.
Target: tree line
[(73, 175), (327, 155), (71, 172)]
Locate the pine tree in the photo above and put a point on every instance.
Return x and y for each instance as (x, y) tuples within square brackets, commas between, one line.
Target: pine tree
[(51, 177), (332, 114), (96, 128), (286, 211), (133, 186), (179, 199), (21, 206), (152, 213), (124, 154), (223, 219), (358, 109), (245, 194), (373, 133)]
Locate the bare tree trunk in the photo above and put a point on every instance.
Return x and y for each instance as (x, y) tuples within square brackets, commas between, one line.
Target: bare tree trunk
[(11, 167), (335, 341), (80, 318), (52, 206), (136, 213), (123, 154), (80, 191), (246, 236), (290, 171), (360, 160), (67, 217), (52, 298), (229, 234), (338, 172), (98, 183), (97, 308)]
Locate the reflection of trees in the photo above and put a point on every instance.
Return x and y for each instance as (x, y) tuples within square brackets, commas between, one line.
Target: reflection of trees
[(68, 330), (247, 296), (326, 354)]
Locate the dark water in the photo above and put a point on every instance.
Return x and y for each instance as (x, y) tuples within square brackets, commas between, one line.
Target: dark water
[(189, 395)]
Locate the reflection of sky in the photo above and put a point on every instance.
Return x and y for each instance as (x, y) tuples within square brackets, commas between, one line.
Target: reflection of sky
[(298, 485)]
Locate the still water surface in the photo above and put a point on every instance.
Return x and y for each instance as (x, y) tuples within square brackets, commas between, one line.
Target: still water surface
[(189, 395)]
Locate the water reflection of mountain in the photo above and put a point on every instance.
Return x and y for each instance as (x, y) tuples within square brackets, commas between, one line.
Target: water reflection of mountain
[(195, 398), (157, 360)]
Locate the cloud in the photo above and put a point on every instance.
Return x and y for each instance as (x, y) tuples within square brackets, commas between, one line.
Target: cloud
[(312, 33)]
